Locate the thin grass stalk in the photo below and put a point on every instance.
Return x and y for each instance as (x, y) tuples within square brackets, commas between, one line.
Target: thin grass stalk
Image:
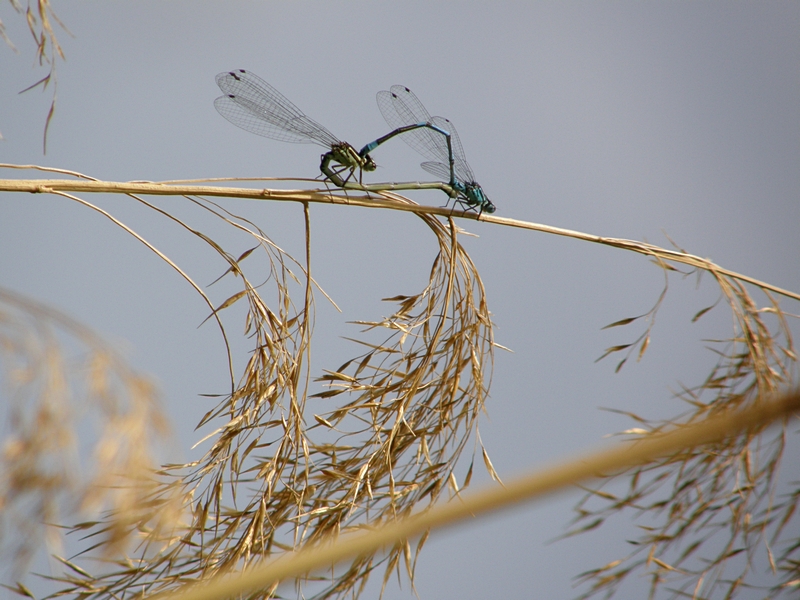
[(368, 200)]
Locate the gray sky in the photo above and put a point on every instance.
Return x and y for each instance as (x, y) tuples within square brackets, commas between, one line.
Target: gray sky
[(618, 119)]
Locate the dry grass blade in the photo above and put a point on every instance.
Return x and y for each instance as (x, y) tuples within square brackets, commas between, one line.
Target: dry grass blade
[(681, 499), (163, 257), (40, 17), (413, 403), (44, 477)]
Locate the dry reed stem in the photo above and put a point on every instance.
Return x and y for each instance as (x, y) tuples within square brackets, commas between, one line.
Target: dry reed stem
[(368, 200), (665, 446)]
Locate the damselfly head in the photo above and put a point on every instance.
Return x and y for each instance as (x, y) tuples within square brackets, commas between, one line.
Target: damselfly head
[(369, 164)]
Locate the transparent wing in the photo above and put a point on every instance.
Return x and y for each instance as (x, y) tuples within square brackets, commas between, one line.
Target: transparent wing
[(411, 104), (437, 169), (255, 106), (400, 107), (463, 171)]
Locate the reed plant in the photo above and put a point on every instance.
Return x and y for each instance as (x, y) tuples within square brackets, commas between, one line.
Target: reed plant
[(279, 480)]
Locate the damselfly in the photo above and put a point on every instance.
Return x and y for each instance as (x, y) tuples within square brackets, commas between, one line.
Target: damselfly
[(255, 106), (438, 141)]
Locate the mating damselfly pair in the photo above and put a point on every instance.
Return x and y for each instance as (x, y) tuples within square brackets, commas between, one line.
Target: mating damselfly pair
[(254, 105)]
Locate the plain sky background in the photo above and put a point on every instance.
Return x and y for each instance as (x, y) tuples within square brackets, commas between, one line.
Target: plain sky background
[(620, 119)]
